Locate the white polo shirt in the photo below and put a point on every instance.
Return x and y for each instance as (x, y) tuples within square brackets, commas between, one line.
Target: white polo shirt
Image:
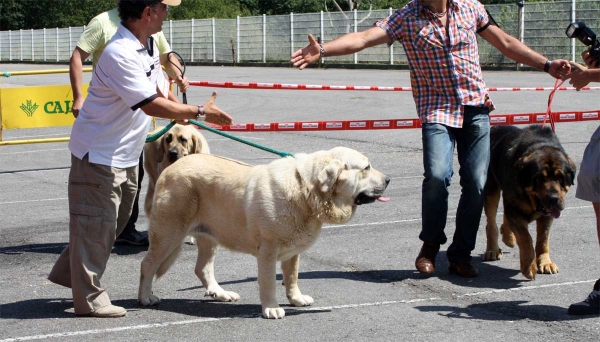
[(111, 127)]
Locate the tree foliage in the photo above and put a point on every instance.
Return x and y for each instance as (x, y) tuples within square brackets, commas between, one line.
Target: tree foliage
[(37, 14)]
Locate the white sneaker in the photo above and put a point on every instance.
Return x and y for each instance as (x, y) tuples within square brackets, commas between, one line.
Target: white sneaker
[(109, 311)]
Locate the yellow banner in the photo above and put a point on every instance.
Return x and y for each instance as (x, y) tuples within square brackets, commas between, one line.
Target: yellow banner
[(33, 107)]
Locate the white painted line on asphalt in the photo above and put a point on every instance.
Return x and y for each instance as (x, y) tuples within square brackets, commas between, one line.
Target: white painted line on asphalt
[(34, 151), (307, 308), (524, 288), (37, 200)]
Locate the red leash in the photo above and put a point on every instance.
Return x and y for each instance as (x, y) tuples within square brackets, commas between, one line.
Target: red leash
[(549, 111)]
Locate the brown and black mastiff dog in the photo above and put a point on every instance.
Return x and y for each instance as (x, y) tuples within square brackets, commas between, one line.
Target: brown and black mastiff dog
[(532, 171)]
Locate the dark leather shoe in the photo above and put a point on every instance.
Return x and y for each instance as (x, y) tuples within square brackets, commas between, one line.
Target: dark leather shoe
[(134, 238), (425, 262), (590, 306), (463, 269)]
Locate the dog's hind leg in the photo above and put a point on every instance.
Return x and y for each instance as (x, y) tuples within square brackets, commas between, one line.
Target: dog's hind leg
[(290, 279), (205, 270), (491, 200), (162, 253), (542, 246)]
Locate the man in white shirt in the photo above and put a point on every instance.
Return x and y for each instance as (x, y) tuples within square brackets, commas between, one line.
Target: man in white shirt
[(106, 141), (92, 42)]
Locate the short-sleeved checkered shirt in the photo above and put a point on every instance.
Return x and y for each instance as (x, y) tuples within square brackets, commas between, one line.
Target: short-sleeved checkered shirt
[(444, 68)]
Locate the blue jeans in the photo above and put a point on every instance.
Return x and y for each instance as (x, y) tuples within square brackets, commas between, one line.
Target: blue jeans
[(473, 145)]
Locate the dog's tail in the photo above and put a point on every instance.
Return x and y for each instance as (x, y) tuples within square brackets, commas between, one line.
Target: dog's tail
[(169, 261)]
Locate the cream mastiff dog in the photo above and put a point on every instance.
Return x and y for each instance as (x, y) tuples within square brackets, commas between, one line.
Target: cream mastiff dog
[(274, 212), (176, 143)]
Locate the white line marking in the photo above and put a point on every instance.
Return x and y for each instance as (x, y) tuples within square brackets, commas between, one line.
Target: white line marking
[(66, 135), (308, 308), (35, 151), (38, 200)]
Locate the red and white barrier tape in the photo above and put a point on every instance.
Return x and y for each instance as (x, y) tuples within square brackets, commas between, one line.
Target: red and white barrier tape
[(500, 119), (256, 85)]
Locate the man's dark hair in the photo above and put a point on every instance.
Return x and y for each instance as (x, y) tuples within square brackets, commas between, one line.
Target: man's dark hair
[(132, 9)]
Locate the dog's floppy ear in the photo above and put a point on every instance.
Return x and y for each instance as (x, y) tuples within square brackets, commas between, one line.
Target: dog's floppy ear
[(196, 146), (570, 170), (161, 150), (329, 175), (526, 170)]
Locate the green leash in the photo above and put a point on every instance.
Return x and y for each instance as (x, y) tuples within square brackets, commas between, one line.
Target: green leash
[(152, 137), (264, 148)]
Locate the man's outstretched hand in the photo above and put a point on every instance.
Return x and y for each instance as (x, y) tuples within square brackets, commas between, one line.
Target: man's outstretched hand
[(307, 55)]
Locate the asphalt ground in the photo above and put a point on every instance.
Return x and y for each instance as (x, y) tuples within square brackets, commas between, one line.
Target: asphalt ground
[(360, 274)]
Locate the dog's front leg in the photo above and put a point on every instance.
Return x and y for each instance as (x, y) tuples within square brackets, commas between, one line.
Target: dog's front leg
[(290, 279), (267, 268), (526, 252), (542, 246)]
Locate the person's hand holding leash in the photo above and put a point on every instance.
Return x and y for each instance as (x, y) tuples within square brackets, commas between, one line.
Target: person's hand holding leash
[(559, 68), (183, 83)]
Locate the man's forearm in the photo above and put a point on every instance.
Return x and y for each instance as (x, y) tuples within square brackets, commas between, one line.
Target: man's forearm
[(172, 65), (76, 76), (355, 41), (521, 53)]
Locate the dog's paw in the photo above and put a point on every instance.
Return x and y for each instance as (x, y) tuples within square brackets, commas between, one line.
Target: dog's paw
[(301, 300), (223, 296), (548, 268), (492, 255), (273, 313), (149, 300), (529, 271)]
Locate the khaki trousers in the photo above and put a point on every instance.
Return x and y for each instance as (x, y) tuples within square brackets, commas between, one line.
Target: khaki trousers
[(100, 203)]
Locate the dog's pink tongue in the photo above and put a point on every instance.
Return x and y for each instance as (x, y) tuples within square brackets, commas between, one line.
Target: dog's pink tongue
[(555, 213), (383, 199)]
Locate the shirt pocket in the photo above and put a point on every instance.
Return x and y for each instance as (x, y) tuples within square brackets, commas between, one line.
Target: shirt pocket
[(426, 39), (465, 31)]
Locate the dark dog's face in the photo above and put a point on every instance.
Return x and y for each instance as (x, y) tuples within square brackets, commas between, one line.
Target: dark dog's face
[(546, 175), (177, 143)]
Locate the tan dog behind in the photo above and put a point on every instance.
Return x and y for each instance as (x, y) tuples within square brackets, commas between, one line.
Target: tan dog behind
[(176, 143), (274, 212)]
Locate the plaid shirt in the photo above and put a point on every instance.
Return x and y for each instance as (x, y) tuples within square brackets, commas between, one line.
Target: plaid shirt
[(444, 70)]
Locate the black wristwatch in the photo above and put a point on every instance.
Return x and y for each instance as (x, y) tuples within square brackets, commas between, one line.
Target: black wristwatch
[(201, 114), (547, 66)]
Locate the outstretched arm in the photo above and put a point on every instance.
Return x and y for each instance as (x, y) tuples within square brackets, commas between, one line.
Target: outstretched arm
[(344, 45), (170, 109), (521, 53)]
